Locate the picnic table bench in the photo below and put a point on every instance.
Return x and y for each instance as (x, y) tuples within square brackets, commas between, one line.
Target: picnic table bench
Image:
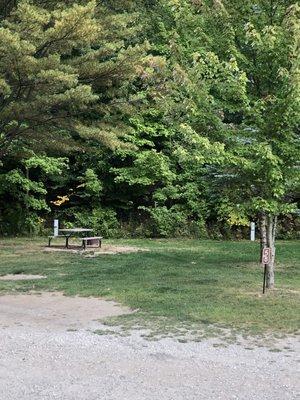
[(92, 240)]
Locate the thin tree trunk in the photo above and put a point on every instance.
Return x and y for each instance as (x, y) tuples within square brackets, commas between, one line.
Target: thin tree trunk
[(267, 239), (271, 233), (263, 232), (27, 193)]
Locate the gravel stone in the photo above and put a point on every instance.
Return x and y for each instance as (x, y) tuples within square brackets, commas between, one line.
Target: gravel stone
[(40, 359)]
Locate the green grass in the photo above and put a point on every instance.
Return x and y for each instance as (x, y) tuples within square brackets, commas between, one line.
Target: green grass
[(182, 284)]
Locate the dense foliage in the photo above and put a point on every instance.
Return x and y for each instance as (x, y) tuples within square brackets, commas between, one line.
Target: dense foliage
[(151, 117)]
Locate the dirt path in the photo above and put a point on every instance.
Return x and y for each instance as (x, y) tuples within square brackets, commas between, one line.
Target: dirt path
[(43, 358), (53, 311)]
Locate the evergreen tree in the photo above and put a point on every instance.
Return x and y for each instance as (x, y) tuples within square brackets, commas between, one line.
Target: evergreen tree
[(64, 76)]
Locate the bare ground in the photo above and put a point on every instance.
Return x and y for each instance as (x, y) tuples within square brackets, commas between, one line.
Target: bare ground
[(95, 251), (48, 351)]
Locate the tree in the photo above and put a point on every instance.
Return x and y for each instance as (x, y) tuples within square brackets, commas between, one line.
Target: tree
[(23, 192), (40, 91), (174, 112), (67, 82), (262, 175), (60, 61), (197, 89), (242, 68)]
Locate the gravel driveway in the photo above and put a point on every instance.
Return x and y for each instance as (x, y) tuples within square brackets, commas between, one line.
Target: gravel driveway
[(43, 357)]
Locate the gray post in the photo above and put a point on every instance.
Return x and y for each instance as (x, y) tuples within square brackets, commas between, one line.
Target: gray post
[(252, 231), (56, 227)]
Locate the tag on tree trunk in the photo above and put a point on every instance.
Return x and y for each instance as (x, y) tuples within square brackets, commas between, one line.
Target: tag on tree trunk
[(266, 255)]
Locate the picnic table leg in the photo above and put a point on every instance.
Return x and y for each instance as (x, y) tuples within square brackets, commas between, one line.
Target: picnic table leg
[(67, 242), (49, 244)]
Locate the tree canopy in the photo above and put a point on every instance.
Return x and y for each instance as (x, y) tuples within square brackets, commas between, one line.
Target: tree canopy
[(152, 118)]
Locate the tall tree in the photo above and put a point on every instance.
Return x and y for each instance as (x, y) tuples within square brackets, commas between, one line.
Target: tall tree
[(64, 76), (197, 89), (61, 60), (263, 147)]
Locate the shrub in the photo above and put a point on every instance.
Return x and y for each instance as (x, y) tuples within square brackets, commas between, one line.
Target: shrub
[(175, 222), (103, 221)]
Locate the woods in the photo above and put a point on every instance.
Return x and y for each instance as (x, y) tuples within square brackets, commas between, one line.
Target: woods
[(154, 118)]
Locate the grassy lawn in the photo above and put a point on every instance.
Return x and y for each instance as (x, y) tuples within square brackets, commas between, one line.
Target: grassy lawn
[(178, 282)]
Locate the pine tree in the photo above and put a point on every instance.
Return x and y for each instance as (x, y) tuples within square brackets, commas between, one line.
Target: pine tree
[(65, 69)]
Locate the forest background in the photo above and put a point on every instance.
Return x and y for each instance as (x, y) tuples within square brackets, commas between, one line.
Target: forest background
[(150, 118)]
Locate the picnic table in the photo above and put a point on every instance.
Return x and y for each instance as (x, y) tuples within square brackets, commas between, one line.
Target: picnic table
[(67, 233)]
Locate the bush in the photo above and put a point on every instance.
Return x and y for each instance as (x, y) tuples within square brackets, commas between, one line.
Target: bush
[(288, 227), (19, 221), (103, 221), (175, 222)]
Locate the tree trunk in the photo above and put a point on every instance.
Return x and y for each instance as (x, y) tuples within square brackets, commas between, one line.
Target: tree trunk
[(271, 222), (267, 239), (263, 232)]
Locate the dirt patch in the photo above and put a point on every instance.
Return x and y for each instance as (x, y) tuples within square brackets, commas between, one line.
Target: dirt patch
[(54, 310), (21, 277), (118, 249), (96, 251)]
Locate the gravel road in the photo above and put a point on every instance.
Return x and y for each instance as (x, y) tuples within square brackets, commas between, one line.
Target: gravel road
[(43, 358)]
